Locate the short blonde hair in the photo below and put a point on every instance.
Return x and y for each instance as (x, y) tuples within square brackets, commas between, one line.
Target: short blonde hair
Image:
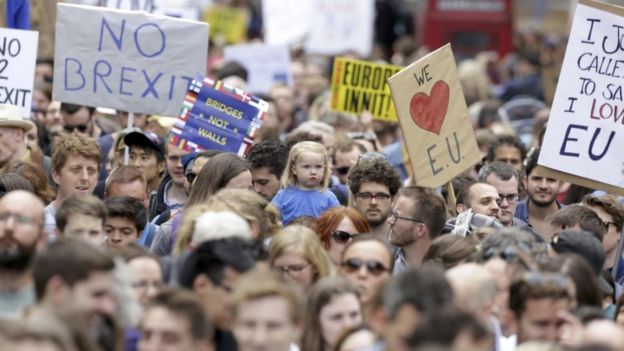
[(303, 240), (67, 145), (289, 177)]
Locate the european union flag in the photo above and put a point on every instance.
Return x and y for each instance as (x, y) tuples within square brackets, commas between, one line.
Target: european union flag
[(18, 14)]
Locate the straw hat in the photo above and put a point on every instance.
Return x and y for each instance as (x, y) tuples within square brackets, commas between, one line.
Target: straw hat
[(11, 116)]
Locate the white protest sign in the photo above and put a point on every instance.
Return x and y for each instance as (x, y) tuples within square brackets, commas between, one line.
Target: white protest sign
[(130, 61), (286, 21), (585, 133), (340, 26), (18, 54), (265, 64)]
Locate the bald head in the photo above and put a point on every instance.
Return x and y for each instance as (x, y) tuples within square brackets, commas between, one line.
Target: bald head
[(474, 288), (23, 202), (482, 198)]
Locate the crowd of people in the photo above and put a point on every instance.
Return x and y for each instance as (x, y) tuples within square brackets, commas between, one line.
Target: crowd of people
[(112, 238)]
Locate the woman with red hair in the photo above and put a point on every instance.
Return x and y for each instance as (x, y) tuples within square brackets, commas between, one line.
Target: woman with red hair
[(336, 227)]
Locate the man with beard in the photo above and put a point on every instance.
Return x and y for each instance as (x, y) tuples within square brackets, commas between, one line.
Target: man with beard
[(21, 231), (373, 182), (418, 217), (542, 202)]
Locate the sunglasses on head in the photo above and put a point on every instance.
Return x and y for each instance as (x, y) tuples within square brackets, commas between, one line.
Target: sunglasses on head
[(342, 237), (79, 127), (355, 264)]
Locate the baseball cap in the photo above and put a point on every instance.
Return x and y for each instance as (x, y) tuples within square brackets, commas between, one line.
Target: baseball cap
[(145, 139)]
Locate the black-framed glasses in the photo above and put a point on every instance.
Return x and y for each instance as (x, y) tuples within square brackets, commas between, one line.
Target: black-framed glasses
[(342, 170), (374, 267), (396, 216), (607, 224), (294, 270), (511, 198), (82, 128), (342, 237), (366, 196)]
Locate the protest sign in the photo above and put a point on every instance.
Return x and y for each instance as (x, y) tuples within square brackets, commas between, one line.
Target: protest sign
[(286, 22), (130, 61), (227, 23), (359, 85), (266, 64), (341, 26), (218, 117), (434, 118), (18, 53), (584, 141)]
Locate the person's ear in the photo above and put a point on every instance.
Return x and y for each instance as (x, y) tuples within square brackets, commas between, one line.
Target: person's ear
[(161, 167), (460, 208), (56, 177), (202, 285), (56, 291)]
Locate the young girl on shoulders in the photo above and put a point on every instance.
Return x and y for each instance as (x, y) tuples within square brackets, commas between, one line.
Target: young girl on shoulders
[(304, 183)]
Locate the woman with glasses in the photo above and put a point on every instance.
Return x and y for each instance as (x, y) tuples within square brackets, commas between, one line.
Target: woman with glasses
[(336, 227), (332, 307), (298, 254)]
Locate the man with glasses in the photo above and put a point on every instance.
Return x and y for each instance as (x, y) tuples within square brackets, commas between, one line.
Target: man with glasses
[(373, 183), (21, 232), (367, 262), (504, 178), (418, 217), (611, 212), (81, 119), (345, 156)]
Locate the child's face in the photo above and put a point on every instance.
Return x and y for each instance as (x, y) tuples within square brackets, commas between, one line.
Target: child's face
[(309, 170)]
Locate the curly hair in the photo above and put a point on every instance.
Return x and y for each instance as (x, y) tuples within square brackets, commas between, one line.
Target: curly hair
[(507, 140), (376, 170), (66, 145), (610, 205), (268, 153)]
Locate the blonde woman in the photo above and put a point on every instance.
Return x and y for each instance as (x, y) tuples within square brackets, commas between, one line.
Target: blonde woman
[(304, 183), (297, 252)]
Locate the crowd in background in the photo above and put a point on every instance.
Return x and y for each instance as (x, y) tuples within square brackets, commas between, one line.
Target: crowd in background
[(317, 239)]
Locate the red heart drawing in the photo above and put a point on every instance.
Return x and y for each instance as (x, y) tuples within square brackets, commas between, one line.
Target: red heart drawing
[(428, 112)]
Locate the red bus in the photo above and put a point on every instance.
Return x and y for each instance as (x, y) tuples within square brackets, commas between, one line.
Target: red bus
[(471, 26)]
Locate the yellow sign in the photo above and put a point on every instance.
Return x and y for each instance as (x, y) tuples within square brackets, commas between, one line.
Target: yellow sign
[(228, 23), (434, 118), (359, 85)]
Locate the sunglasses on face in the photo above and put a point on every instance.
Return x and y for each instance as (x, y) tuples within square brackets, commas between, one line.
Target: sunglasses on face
[(342, 170), (82, 128), (342, 237), (355, 264)]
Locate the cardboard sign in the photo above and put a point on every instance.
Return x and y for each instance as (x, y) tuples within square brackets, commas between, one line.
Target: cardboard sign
[(218, 117), (434, 118), (585, 134), (229, 23), (286, 22), (125, 60), (359, 85), (18, 54), (341, 26), (266, 64)]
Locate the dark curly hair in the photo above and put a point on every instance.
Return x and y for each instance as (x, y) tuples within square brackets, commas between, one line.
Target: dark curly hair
[(268, 153), (505, 140), (377, 170)]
